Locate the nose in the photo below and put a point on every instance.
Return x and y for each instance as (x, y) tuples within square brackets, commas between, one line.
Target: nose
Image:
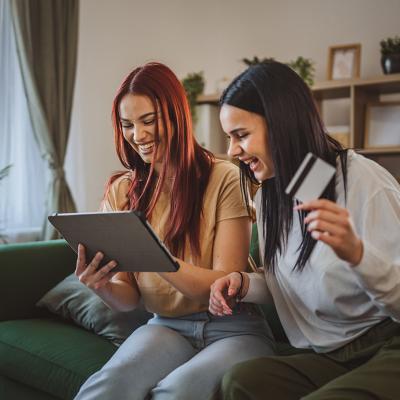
[(139, 133), (234, 149)]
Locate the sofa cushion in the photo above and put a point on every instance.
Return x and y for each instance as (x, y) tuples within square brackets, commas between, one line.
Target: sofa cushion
[(10, 389), (73, 300), (51, 356)]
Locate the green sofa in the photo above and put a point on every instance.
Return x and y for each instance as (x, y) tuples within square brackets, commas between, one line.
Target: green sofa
[(42, 356)]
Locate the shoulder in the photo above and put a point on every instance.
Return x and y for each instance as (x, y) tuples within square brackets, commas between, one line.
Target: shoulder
[(224, 170), (368, 183), (367, 177), (116, 195)]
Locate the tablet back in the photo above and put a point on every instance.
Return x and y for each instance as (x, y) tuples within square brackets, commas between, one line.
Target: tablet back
[(123, 236)]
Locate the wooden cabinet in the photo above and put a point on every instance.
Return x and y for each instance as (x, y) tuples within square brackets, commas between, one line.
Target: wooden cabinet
[(360, 92)]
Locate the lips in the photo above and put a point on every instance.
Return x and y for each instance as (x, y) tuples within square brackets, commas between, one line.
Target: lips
[(146, 148), (252, 162)]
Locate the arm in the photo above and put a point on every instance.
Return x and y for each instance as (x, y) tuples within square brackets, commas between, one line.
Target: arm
[(374, 256), (230, 252), (378, 271)]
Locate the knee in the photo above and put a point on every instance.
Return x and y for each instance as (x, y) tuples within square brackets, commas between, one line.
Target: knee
[(252, 379), (175, 386), (237, 381)]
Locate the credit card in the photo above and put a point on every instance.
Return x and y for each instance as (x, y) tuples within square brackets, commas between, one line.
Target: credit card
[(311, 179)]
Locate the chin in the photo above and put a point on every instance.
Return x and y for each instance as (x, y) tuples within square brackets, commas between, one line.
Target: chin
[(263, 175)]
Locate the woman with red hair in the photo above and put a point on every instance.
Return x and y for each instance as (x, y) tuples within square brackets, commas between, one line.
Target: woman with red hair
[(193, 202)]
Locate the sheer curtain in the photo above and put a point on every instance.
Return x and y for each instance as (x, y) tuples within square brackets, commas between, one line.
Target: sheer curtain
[(23, 191)]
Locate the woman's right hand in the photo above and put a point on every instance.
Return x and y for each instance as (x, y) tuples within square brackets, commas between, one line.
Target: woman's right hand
[(224, 293), (90, 274)]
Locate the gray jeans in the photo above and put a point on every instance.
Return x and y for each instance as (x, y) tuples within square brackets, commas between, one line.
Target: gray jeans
[(180, 358)]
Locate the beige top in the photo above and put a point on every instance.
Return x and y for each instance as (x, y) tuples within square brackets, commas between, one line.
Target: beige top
[(222, 200)]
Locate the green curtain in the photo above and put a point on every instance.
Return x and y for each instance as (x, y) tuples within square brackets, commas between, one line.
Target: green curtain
[(46, 34)]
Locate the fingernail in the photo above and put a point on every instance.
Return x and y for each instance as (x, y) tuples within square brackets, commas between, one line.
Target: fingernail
[(315, 235)]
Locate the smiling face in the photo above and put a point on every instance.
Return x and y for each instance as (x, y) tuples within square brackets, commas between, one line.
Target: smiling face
[(248, 132), (139, 121)]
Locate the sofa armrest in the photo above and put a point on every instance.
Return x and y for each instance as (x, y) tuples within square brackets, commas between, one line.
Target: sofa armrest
[(28, 271)]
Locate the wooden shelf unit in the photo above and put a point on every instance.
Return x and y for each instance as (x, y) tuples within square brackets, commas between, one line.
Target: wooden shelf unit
[(360, 92)]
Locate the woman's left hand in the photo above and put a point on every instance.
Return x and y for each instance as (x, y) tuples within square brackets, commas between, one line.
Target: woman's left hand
[(332, 225)]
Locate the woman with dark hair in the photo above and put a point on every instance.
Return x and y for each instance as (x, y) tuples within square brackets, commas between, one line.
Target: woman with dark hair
[(193, 202), (331, 265)]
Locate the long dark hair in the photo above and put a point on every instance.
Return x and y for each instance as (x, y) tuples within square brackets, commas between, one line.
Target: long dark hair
[(276, 92), (190, 163)]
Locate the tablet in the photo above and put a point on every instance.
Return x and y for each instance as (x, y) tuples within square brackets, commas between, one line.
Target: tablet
[(123, 236)]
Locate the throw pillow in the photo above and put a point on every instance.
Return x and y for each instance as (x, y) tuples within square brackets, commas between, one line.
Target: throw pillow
[(74, 301)]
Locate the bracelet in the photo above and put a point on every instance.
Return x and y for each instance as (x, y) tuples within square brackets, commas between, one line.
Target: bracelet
[(239, 293)]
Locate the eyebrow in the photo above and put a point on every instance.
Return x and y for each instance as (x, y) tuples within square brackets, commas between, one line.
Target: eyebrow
[(236, 131), (141, 118)]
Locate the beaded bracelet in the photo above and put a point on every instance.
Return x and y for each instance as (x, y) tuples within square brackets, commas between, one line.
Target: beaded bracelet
[(239, 293)]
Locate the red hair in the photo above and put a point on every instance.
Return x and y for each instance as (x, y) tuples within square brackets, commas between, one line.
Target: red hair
[(189, 163)]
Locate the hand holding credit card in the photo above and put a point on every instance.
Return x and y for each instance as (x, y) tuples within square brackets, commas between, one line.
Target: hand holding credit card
[(311, 179)]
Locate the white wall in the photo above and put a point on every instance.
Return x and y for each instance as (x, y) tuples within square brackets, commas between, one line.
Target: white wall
[(207, 35)]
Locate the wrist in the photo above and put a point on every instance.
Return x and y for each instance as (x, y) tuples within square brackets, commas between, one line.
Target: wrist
[(358, 254), (244, 286)]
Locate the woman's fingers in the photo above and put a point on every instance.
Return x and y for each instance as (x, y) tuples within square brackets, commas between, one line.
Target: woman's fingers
[(332, 225), (222, 290), (92, 275), (328, 216), (326, 227), (217, 302), (104, 280), (81, 260), (234, 284), (320, 204), (104, 270)]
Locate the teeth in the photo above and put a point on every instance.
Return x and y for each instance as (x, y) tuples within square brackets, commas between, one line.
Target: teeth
[(146, 146), (249, 161)]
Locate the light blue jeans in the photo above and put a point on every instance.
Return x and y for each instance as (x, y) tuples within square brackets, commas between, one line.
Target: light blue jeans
[(180, 358)]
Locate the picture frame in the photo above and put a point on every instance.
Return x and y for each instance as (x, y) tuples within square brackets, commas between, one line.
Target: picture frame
[(382, 125), (344, 61)]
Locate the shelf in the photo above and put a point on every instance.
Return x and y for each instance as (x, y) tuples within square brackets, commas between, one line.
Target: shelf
[(360, 92), (208, 99), (336, 89), (380, 151)]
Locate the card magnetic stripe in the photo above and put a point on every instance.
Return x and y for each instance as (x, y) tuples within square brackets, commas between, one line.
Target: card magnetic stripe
[(303, 174)]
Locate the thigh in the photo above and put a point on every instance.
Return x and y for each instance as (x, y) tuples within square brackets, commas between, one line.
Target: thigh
[(283, 378), (379, 378), (198, 377), (145, 358)]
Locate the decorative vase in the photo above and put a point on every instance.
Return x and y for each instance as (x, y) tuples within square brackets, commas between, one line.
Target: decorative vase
[(390, 63)]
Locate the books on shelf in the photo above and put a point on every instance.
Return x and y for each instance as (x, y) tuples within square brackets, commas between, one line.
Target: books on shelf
[(341, 133)]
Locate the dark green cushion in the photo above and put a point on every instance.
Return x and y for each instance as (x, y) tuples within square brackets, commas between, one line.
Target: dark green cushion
[(11, 390), (51, 356), (28, 271)]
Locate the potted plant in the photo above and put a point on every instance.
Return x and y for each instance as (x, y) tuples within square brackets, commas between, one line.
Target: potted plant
[(255, 60), (303, 66), (194, 85), (390, 51)]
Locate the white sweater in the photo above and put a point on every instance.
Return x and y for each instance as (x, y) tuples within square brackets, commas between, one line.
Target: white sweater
[(330, 303)]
